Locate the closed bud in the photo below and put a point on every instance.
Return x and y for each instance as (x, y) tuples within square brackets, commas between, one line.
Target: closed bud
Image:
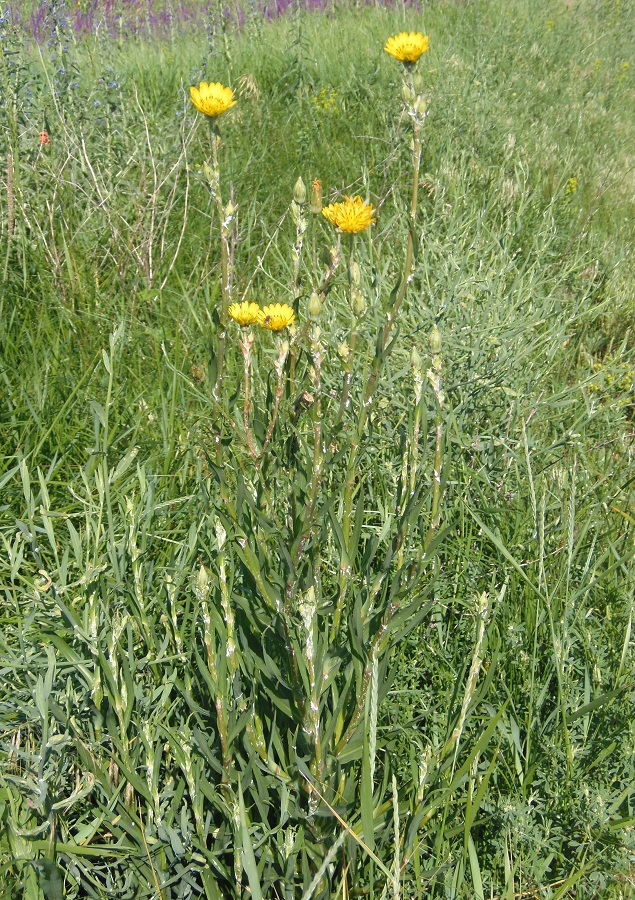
[(420, 107), (434, 339), (315, 305), (407, 94), (230, 210), (202, 582), (415, 361), (299, 192), (210, 174), (343, 351), (221, 534), (417, 83), (355, 274), (358, 304), (316, 196)]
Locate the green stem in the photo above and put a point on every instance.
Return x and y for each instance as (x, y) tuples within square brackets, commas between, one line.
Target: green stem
[(245, 346), (345, 562), (224, 257), (436, 481), (279, 366), (274, 416), (300, 228), (414, 450), (352, 338), (416, 161)]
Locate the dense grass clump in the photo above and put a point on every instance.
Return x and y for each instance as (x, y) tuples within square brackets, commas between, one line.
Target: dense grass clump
[(343, 648)]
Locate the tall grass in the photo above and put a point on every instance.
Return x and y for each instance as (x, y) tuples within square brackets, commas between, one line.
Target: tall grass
[(493, 754)]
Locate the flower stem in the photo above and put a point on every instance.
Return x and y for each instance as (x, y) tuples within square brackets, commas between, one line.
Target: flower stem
[(434, 377), (246, 344), (345, 563), (436, 482), (224, 225), (301, 224), (416, 163), (352, 338), (283, 350)]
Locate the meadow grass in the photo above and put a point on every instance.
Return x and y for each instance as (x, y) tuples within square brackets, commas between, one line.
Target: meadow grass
[(494, 753)]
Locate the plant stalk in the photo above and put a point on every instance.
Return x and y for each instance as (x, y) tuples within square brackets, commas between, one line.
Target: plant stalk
[(246, 344), (224, 220), (372, 379)]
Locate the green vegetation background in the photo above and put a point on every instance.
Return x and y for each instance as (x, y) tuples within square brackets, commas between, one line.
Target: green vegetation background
[(525, 261)]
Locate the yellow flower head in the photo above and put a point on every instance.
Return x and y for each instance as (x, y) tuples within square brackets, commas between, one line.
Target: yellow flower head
[(277, 316), (212, 99), (407, 47), (245, 313), (351, 216)]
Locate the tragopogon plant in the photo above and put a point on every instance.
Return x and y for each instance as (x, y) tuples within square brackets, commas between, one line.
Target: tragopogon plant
[(311, 579)]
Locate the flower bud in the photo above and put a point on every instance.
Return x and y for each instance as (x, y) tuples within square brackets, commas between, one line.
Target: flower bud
[(212, 177), (315, 305), (221, 534), (417, 83), (434, 339), (358, 304), (230, 210), (420, 107), (316, 196), (415, 361), (202, 582), (355, 274), (407, 94), (296, 215), (299, 192), (343, 351)]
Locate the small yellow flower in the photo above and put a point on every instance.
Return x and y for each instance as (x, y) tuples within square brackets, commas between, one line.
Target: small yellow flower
[(245, 313), (277, 316), (407, 47), (212, 99), (326, 99), (351, 216)]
